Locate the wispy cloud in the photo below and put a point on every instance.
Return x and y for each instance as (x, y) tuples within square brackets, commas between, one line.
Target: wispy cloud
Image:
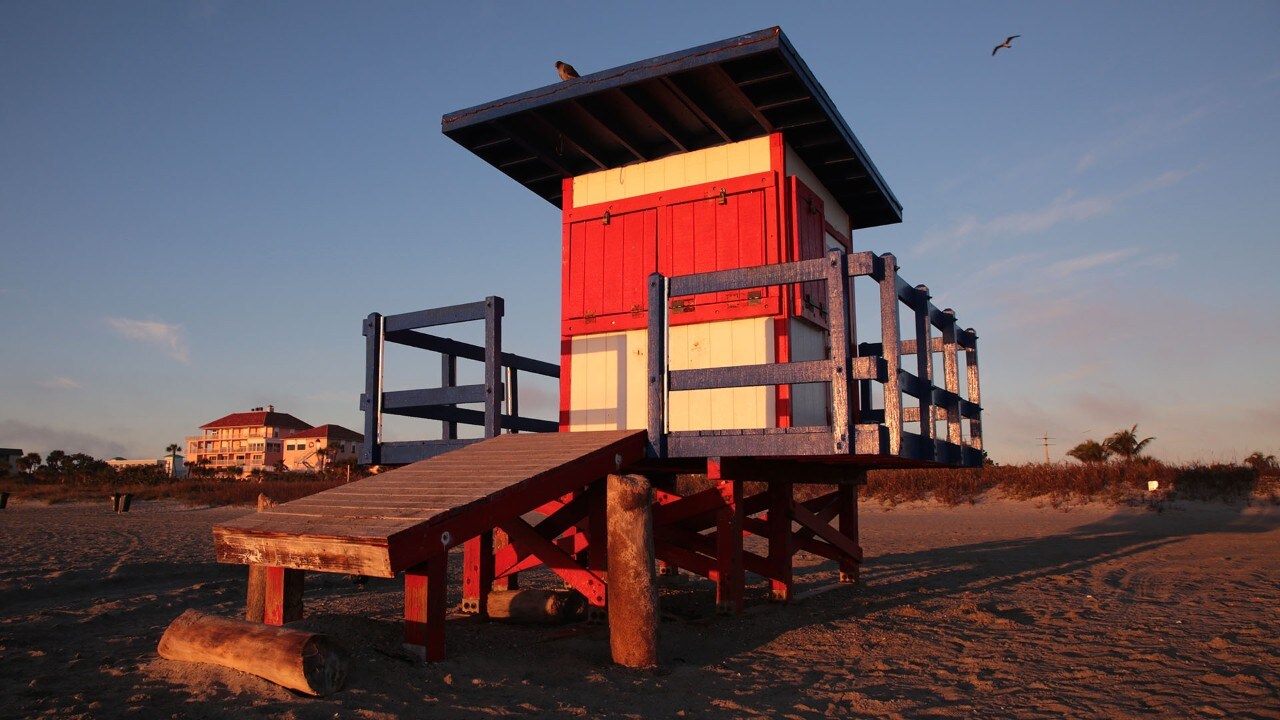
[(59, 383), (169, 338), (1071, 266), (1067, 208)]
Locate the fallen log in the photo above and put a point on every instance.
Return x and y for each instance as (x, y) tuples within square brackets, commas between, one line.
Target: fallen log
[(299, 660), (536, 607)]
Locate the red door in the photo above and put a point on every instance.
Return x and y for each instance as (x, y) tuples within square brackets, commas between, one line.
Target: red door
[(607, 263), (808, 242), (719, 232)]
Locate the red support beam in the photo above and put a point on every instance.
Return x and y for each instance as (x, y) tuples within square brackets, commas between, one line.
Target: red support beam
[(597, 529), (663, 498), (848, 506), (843, 544), (730, 580), (781, 547), (560, 517), (282, 601), (560, 562), (670, 511), (424, 607), (477, 574), (509, 580)]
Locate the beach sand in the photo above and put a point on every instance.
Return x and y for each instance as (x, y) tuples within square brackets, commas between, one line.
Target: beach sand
[(1002, 609)]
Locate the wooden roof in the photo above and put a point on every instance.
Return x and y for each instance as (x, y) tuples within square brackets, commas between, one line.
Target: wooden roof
[(728, 91)]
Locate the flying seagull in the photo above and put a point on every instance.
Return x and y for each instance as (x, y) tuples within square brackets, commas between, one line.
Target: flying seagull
[(1004, 44), (566, 70)]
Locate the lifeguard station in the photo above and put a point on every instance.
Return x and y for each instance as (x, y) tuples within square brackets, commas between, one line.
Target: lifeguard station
[(710, 205)]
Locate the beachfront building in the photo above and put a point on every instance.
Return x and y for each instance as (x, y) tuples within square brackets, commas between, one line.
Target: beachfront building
[(9, 458), (173, 466), (253, 440), (321, 447)]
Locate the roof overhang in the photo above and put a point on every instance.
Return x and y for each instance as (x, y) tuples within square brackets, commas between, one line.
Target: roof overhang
[(729, 91)]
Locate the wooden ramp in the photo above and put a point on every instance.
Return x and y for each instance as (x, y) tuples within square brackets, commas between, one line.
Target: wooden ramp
[(394, 521)]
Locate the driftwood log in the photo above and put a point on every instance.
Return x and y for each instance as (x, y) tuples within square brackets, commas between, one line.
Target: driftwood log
[(302, 661), (633, 584), (536, 606)]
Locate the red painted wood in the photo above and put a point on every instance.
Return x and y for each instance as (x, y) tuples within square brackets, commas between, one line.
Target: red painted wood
[(808, 242), (560, 562), (782, 354), (731, 582), (273, 603), (594, 234), (825, 531), (509, 580), (424, 606), (477, 573), (597, 530), (681, 508), (566, 378), (777, 154), (574, 272), (848, 504), (677, 232), (780, 546)]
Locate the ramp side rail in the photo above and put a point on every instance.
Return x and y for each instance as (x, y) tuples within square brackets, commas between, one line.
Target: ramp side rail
[(857, 425), (500, 385)]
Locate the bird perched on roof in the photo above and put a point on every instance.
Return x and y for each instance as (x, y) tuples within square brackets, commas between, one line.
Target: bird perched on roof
[(566, 70), (1004, 44)]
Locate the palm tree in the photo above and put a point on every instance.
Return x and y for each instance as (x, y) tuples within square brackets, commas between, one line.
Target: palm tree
[(1090, 451), (173, 457), (1262, 463), (29, 462), (1125, 443)]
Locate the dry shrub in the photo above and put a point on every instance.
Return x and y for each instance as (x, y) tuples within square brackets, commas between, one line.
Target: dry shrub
[(1214, 482), (1115, 482), (948, 486), (192, 492)]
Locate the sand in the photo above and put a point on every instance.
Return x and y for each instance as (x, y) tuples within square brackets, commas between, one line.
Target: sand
[(999, 610)]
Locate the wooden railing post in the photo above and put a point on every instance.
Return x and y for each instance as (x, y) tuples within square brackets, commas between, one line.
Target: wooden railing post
[(448, 379), (657, 365), (951, 371), (492, 366), (513, 395), (924, 370), (975, 396), (371, 401), (841, 381), (891, 346)]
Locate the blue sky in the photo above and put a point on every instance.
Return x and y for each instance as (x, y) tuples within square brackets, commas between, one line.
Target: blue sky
[(200, 201)]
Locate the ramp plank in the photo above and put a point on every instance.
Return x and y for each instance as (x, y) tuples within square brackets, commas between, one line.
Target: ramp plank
[(389, 522)]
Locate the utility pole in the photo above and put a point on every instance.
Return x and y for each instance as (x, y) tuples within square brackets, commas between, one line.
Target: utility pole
[(1046, 440)]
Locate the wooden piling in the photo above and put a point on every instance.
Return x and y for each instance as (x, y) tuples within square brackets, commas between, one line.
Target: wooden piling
[(633, 586), (286, 600)]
